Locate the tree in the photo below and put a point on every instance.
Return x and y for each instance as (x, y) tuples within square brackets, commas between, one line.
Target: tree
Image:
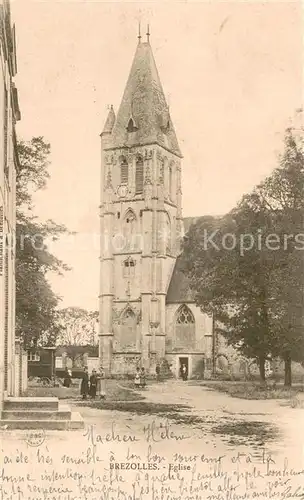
[(228, 282), (36, 303), (282, 195), (77, 327), (254, 284)]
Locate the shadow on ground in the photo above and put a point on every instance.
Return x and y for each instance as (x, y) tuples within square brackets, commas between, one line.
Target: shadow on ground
[(233, 432), (241, 432)]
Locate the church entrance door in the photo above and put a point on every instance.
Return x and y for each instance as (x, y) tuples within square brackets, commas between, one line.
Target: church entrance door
[(184, 367)]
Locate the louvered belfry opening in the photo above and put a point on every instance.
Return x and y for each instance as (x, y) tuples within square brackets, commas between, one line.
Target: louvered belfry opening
[(124, 171), (139, 176)]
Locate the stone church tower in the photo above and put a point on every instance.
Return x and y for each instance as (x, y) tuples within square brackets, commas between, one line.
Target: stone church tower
[(141, 220)]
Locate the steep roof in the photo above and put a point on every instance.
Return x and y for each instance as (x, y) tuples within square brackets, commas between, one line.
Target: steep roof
[(179, 288), (143, 116)]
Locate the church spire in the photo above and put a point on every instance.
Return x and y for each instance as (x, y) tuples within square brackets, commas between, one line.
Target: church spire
[(144, 101)]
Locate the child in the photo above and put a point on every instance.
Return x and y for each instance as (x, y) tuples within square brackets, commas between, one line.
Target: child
[(137, 378)]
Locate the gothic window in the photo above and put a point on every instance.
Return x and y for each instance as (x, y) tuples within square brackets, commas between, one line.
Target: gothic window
[(139, 175), (124, 170), (184, 329), (130, 218), (130, 230), (128, 326), (129, 267), (185, 316)]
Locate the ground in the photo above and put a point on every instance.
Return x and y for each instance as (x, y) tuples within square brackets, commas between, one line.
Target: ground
[(234, 448)]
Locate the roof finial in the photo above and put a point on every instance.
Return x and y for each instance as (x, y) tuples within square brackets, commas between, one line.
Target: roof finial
[(148, 33), (139, 34)]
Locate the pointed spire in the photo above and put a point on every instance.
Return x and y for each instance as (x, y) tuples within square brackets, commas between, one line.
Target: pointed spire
[(109, 124), (148, 33), (139, 33), (142, 91)]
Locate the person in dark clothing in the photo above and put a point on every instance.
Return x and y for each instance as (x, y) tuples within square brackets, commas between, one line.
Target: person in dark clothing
[(93, 384), (67, 378), (157, 370), (142, 378), (184, 372), (84, 388)]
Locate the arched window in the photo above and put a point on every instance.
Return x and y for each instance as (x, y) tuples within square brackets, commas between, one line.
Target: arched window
[(184, 316), (139, 175), (128, 326), (124, 170), (130, 230), (184, 328), (129, 267)]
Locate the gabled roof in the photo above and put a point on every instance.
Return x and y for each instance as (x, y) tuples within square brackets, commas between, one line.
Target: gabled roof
[(144, 103), (179, 288)]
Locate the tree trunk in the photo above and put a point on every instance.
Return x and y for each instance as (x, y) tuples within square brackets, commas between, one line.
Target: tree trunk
[(262, 369), (287, 361)]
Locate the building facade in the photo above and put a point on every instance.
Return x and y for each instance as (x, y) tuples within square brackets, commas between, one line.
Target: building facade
[(9, 114), (147, 312)]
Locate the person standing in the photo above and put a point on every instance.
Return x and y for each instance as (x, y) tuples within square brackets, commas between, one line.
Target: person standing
[(93, 384), (101, 384), (84, 388), (184, 372), (67, 378), (137, 378), (157, 370), (142, 378)]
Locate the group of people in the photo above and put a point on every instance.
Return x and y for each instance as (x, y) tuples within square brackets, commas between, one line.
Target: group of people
[(140, 378), (93, 386)]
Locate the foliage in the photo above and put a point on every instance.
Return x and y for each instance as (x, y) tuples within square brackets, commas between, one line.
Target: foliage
[(36, 303), (77, 327), (247, 269)]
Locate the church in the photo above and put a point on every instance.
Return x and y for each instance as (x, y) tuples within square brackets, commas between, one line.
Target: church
[(147, 312)]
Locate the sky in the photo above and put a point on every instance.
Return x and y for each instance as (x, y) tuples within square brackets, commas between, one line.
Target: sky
[(231, 72)]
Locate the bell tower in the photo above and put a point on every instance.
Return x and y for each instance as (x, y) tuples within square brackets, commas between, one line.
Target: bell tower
[(140, 220)]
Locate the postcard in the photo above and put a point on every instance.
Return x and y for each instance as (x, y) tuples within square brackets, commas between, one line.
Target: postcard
[(151, 250)]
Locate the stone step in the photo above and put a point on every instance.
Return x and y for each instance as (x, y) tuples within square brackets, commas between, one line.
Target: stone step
[(76, 422), (31, 403), (63, 413)]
